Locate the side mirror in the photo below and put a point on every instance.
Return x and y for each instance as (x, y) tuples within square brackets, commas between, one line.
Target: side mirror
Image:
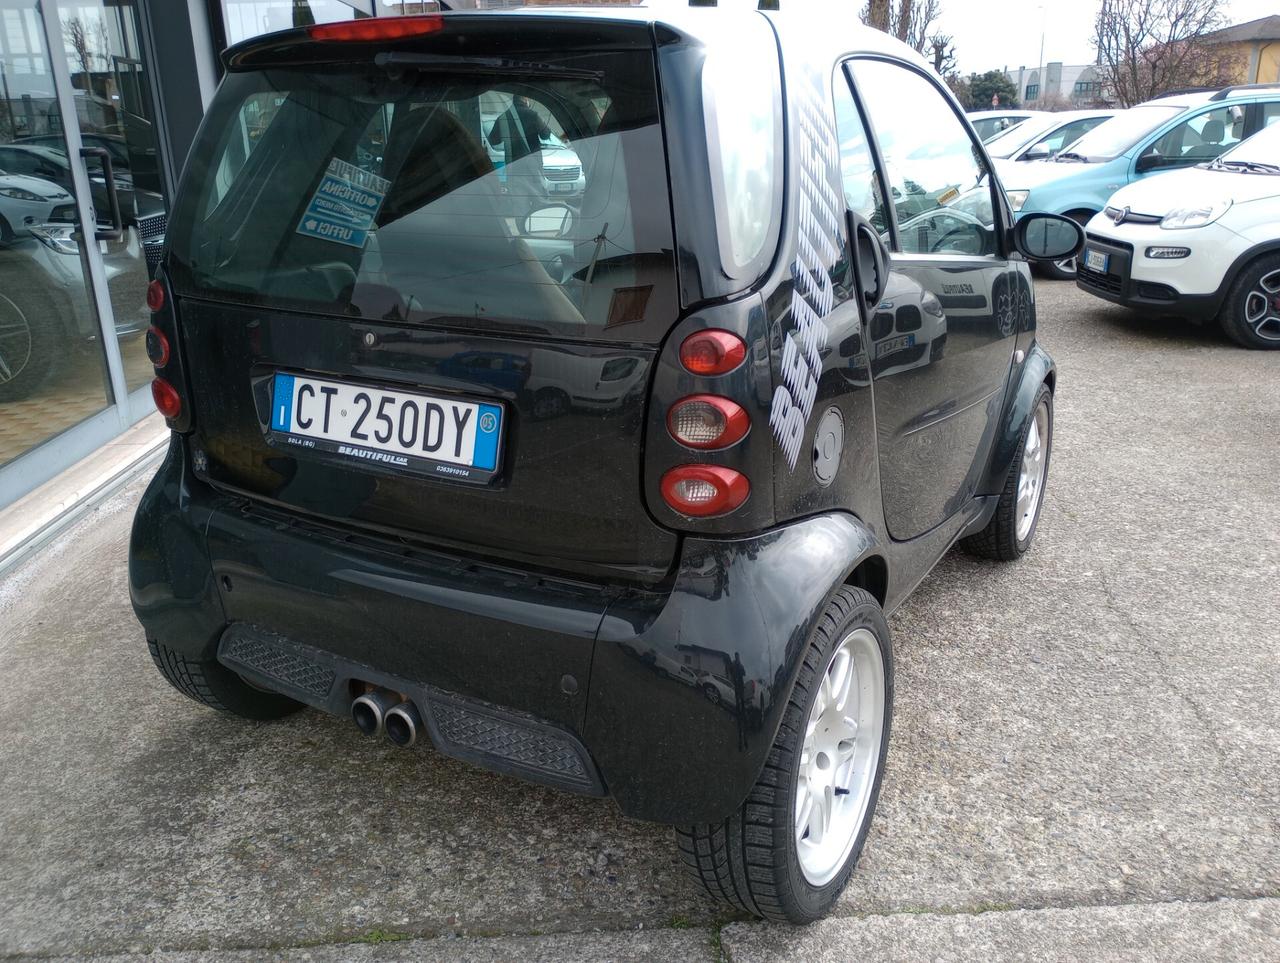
[(1148, 162), (1048, 237), (1039, 152), (553, 222)]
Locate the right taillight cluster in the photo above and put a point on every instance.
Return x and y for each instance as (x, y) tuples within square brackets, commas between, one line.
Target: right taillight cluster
[(167, 398), (707, 422)]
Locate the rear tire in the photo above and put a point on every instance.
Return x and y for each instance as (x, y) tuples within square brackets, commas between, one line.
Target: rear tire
[(212, 684), (754, 859), (1251, 313), (1009, 534)]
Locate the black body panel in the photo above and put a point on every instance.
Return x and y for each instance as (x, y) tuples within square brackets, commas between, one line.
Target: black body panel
[(567, 495)]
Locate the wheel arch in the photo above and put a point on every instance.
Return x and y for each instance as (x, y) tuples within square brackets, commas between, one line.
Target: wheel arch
[(1036, 370), (872, 575), (1238, 267)]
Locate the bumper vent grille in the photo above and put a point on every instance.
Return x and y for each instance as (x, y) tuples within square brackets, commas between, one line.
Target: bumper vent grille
[(473, 730), (277, 662)]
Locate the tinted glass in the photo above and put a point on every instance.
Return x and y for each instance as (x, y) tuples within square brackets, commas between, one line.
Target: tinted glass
[(1123, 131), (357, 191), (941, 194)]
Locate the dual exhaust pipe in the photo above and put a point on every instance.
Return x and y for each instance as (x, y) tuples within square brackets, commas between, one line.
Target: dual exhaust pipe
[(382, 711)]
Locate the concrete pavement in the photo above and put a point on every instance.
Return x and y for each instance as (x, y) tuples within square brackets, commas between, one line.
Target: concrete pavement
[(1093, 730)]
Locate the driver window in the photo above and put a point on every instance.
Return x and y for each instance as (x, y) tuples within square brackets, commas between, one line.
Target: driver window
[(938, 182), (1202, 138)]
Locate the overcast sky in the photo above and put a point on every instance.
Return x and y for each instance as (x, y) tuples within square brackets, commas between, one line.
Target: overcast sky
[(987, 39)]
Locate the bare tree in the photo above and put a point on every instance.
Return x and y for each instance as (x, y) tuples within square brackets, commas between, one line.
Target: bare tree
[(877, 15), (1149, 47), (942, 52), (910, 21), (77, 38)]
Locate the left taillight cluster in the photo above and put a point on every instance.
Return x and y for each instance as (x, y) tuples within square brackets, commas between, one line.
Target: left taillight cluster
[(167, 397), (707, 422)]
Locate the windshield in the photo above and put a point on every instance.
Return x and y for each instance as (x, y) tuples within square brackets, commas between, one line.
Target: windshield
[(528, 202), (1014, 139), (1262, 148), (1117, 135)]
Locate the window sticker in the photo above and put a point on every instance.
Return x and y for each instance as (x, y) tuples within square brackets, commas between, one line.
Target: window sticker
[(345, 204)]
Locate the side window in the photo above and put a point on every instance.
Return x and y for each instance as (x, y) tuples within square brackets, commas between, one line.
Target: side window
[(857, 168), (1201, 138), (1270, 113), (938, 180)]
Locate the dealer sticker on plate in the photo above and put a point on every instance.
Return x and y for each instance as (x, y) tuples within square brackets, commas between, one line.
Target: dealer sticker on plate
[(435, 435), (1097, 261)]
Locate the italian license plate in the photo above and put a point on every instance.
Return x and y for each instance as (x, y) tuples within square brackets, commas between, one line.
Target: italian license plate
[(429, 434), (1097, 261), (892, 345)]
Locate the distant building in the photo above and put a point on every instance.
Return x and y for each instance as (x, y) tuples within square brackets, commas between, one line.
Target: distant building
[(1062, 86), (1256, 46)]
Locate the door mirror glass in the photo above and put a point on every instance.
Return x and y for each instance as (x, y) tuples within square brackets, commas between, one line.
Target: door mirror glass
[(1048, 237), (553, 221), (1147, 162)]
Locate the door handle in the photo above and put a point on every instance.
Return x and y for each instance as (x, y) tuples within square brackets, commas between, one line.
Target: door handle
[(870, 258), (113, 196)]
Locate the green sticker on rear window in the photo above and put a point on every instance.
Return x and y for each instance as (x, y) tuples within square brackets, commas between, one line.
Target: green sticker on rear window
[(345, 204)]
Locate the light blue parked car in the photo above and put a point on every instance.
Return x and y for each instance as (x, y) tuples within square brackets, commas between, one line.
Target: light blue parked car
[(1160, 135)]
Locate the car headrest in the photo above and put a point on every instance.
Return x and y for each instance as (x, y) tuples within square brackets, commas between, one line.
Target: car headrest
[(1212, 132), (428, 159)]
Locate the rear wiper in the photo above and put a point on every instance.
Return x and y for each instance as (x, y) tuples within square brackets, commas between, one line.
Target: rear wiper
[(407, 60)]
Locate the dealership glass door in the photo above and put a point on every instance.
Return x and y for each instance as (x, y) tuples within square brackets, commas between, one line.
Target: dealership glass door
[(81, 218)]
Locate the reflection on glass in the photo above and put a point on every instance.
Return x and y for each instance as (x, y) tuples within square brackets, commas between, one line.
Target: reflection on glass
[(113, 110), (252, 18), (52, 374)]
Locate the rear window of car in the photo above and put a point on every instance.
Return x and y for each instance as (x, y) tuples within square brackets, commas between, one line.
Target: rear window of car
[(531, 196)]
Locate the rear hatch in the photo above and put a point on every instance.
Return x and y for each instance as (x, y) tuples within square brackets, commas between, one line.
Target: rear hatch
[(401, 312)]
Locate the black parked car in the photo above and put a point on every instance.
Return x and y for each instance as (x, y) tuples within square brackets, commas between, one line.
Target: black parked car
[(673, 594)]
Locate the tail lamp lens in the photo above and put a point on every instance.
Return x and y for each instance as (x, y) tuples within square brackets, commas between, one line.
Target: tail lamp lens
[(712, 352), (380, 28), (166, 397), (157, 347), (702, 491), (707, 421), (155, 296)]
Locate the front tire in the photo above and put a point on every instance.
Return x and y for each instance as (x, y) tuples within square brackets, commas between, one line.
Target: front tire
[(1251, 313), (788, 852), (1012, 528), (212, 684)]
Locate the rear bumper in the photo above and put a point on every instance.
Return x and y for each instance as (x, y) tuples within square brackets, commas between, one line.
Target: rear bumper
[(634, 684)]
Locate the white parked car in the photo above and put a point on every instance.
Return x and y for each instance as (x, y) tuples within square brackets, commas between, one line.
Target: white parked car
[(991, 123), (27, 201), (1042, 136), (1202, 242)]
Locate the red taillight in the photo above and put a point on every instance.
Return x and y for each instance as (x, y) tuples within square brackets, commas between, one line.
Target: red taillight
[(712, 352), (704, 490), (157, 347), (379, 28), (707, 421), (166, 397), (155, 296)]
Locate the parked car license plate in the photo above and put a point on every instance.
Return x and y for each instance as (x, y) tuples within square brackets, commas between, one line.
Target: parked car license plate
[(1097, 261), (893, 345), (434, 435)]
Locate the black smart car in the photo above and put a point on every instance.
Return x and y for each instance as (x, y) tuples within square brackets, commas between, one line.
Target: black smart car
[(790, 336)]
